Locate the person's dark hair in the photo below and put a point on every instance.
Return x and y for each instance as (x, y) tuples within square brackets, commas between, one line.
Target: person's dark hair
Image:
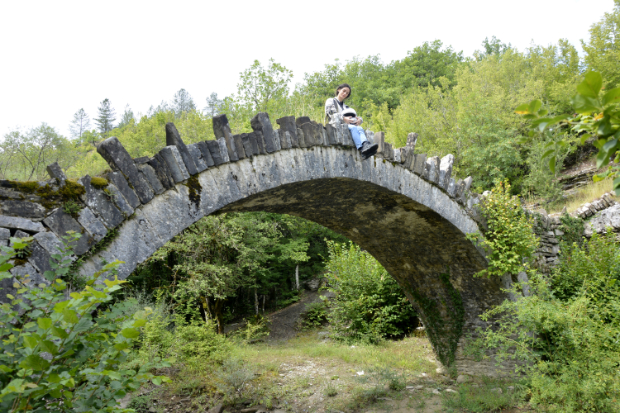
[(342, 86)]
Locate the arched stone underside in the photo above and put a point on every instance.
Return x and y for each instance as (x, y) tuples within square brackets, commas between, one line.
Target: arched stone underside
[(413, 221)]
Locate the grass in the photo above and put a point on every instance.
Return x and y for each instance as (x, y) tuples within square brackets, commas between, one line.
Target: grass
[(583, 195), (489, 396)]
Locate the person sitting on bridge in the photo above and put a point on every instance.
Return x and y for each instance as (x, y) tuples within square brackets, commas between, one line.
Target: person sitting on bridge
[(336, 110)]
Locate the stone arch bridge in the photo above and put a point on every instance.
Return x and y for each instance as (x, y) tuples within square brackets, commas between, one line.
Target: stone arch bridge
[(402, 207)]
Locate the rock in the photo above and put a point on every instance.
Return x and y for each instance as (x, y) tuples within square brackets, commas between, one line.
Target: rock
[(119, 200), (60, 222), (92, 224), (445, 171), (379, 139), (5, 234), (175, 163), (50, 242), (609, 217), (497, 390), (100, 203), (287, 124), (463, 378), (120, 182), (173, 138), (252, 409), (214, 150), (448, 390), (216, 409), (55, 172), (199, 161), (419, 164), (206, 153), (221, 129), (119, 160), (151, 177), (224, 150), (23, 209), (412, 139), (162, 171), (20, 223)]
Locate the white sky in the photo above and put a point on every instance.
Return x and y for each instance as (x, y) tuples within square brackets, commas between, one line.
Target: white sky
[(59, 56)]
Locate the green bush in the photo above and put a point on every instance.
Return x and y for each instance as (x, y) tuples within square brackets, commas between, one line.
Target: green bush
[(369, 305), (566, 334), (63, 354), (315, 315)]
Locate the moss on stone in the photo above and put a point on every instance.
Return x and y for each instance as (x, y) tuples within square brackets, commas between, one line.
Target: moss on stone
[(72, 190), (194, 190), (27, 187), (99, 182)]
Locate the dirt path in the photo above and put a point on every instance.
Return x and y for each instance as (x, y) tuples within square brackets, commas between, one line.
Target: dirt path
[(284, 322)]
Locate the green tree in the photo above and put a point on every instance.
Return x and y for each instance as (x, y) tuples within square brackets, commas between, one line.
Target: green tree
[(127, 117), (107, 116), (260, 88), (214, 105), (602, 52), (79, 124), (182, 102)]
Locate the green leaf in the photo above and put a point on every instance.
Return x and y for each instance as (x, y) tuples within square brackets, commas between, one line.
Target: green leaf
[(617, 185), (53, 378), (534, 106), (585, 105), (552, 164), (130, 333), (591, 85), (30, 341), (156, 381), (48, 346), (548, 153), (612, 96), (523, 109), (70, 316), (604, 127), (543, 112), (59, 332), (35, 362), (44, 323)]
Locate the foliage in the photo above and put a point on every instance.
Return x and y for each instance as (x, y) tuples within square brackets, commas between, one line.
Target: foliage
[(63, 354), (565, 334), (509, 238), (315, 315), (598, 117), (107, 116), (572, 229), (369, 304), (260, 88)]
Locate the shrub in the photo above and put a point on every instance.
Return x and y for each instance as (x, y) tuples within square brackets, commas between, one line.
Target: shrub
[(369, 305), (315, 315), (63, 354), (567, 332)]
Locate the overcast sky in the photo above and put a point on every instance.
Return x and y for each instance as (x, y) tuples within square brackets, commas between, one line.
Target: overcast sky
[(60, 56)]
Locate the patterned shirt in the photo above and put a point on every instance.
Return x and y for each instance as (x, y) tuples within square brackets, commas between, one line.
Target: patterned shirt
[(333, 110)]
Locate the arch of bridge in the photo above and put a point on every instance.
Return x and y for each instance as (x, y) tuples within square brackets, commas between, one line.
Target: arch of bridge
[(414, 224)]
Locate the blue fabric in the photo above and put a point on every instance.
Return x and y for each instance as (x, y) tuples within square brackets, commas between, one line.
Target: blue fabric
[(358, 134)]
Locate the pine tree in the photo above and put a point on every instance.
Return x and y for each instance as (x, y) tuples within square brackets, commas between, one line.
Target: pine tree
[(107, 116), (127, 117), (182, 102), (79, 124), (214, 105)]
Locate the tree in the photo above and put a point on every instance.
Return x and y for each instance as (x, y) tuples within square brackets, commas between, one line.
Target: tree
[(182, 102), (127, 117), (259, 86), (493, 47), (107, 116), (214, 105), (603, 49), (79, 124)]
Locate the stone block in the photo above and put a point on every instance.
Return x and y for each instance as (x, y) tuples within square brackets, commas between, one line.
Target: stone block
[(224, 153), (221, 128), (451, 188), (206, 153), (432, 169), (301, 138), (39, 257), (162, 171), (445, 170), (260, 141), (141, 160), (55, 172), (398, 155), (175, 163), (285, 139), (23, 209), (379, 139), (151, 177), (215, 150), (370, 135), (330, 131), (412, 139), (419, 164), (60, 223), (388, 151), (120, 182), (19, 234), (287, 124), (239, 148), (92, 224), (20, 223), (260, 122), (173, 138), (196, 153), (49, 242), (119, 200), (462, 191), (5, 233), (249, 149), (119, 160), (100, 203)]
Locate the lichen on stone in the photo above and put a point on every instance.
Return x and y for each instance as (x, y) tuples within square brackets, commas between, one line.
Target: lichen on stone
[(194, 190)]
